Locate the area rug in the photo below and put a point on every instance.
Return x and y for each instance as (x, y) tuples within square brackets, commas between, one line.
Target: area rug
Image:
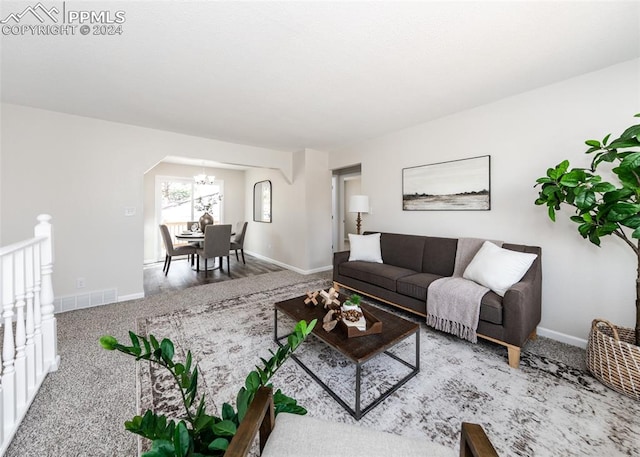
[(545, 408)]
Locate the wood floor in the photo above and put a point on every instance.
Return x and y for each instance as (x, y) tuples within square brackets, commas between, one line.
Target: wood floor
[(181, 276)]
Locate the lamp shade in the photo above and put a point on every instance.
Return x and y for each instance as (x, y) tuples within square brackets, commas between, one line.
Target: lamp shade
[(359, 204)]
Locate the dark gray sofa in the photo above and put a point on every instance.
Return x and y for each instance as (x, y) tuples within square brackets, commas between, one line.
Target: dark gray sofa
[(412, 262)]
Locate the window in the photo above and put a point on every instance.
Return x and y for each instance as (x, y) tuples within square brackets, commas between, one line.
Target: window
[(181, 200)]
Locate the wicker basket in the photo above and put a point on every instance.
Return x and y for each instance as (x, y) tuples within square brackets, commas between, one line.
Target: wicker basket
[(613, 358)]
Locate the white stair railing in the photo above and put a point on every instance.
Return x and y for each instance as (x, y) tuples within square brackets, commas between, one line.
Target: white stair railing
[(29, 344)]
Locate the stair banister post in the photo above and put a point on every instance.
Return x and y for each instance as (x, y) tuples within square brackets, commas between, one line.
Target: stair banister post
[(21, 337), (30, 325), (49, 331), (8, 345)]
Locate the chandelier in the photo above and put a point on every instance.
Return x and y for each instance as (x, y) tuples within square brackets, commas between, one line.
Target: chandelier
[(203, 179)]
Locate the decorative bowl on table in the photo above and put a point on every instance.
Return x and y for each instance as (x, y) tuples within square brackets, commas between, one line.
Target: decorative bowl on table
[(356, 321)]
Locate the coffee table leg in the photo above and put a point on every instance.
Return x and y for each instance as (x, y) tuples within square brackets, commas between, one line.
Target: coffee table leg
[(275, 324), (418, 349), (358, 414)]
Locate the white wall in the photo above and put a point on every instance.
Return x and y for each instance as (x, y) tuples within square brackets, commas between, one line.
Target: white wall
[(524, 135), (318, 209), (233, 204), (300, 234), (84, 172)]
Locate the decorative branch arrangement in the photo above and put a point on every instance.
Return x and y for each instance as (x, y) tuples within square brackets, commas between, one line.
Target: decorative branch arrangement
[(199, 434), (349, 311)]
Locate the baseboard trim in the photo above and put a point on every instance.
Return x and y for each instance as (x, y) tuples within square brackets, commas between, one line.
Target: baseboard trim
[(562, 337), (289, 267), (122, 298)]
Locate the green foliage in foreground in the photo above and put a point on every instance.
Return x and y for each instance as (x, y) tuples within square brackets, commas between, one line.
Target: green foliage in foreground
[(198, 433)]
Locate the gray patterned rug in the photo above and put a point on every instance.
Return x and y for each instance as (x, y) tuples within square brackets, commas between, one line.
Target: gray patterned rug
[(545, 408)]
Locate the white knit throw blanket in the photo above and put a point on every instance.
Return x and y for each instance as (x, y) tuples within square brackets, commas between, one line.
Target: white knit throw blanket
[(453, 304)]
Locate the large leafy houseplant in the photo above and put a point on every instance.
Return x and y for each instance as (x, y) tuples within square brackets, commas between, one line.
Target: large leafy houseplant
[(199, 434), (601, 207)]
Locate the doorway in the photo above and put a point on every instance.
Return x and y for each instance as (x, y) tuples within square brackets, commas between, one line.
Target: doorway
[(345, 183)]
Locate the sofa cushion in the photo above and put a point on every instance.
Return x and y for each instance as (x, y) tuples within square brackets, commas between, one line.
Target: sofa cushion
[(498, 268), (491, 308), (379, 274), (365, 247), (416, 285), (295, 435), (402, 250), (439, 255)]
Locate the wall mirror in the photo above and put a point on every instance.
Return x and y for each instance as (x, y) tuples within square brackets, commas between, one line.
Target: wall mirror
[(262, 201)]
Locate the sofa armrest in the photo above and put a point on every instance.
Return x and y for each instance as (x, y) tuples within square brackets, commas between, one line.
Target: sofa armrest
[(522, 310), (338, 258)]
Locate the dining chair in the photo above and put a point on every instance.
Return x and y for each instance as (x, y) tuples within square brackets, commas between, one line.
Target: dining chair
[(179, 249), (238, 241), (217, 243)]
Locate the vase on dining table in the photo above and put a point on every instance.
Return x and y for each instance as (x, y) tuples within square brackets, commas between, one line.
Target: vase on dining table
[(205, 219)]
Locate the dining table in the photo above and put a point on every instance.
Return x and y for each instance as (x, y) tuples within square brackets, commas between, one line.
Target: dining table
[(198, 237)]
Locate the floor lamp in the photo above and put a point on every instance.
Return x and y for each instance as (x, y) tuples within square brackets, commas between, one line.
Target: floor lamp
[(359, 204)]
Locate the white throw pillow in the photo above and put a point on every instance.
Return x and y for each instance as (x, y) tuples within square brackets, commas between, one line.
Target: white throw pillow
[(365, 248), (498, 268)]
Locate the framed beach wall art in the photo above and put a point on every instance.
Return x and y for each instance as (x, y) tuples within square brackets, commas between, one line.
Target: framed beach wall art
[(463, 184)]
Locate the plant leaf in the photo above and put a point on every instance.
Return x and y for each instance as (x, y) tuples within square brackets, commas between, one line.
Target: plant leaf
[(585, 200), (167, 350), (603, 187), (228, 412), (224, 428), (108, 342), (631, 132), (252, 382), (219, 444), (160, 448), (631, 222), (181, 440), (621, 211), (573, 178), (242, 402), (631, 161)]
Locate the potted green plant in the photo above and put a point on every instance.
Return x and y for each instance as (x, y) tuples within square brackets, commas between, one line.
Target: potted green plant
[(199, 434), (354, 300), (605, 208)]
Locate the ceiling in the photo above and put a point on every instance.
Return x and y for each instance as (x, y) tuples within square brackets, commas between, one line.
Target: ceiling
[(290, 75)]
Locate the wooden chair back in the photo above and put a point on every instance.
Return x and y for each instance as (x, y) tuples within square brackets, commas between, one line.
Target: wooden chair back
[(260, 417)]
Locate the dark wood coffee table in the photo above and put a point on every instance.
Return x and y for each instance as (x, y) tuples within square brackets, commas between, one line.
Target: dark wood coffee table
[(358, 349)]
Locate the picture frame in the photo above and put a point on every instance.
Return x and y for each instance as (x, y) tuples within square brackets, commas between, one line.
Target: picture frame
[(456, 185)]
